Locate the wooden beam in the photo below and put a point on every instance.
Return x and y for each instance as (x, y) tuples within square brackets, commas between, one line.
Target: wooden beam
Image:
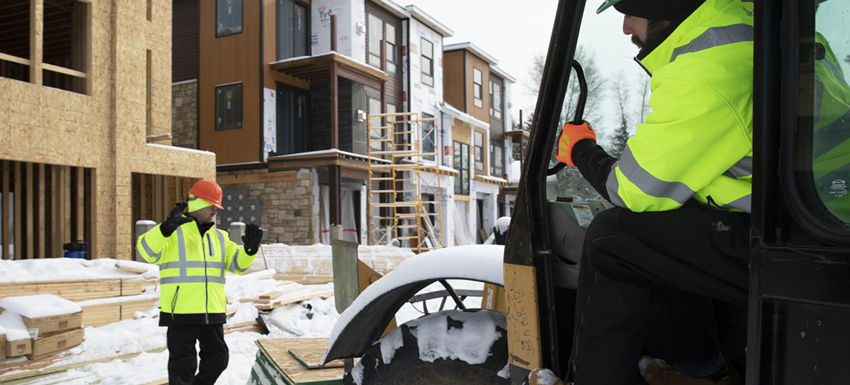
[(16, 202), (66, 204), (63, 70), (4, 189), (29, 201), (41, 214), (80, 203), (14, 59), (91, 211), (56, 212), (36, 41)]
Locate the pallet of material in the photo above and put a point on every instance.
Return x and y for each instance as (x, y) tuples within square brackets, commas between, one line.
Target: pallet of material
[(284, 299), (105, 311), (250, 326), (80, 290), (275, 364)]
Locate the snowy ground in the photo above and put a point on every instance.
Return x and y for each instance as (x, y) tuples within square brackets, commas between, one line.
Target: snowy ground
[(313, 318)]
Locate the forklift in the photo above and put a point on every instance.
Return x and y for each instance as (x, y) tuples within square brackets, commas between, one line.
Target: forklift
[(794, 330)]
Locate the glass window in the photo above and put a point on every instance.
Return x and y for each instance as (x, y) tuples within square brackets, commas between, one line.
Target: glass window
[(461, 164), (825, 105), (429, 136), (228, 107), (477, 87), (495, 100), (497, 160), (427, 63), (292, 29), (381, 30), (228, 17), (375, 133), (376, 34), (392, 58), (479, 150), (292, 112)]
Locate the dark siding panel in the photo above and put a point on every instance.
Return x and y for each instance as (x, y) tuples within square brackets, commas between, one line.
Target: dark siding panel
[(497, 126), (185, 42)]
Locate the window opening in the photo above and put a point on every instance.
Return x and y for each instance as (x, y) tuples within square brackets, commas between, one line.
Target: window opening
[(461, 164), (292, 123), (228, 17), (477, 88), (479, 151), (228, 107), (292, 29), (15, 40), (427, 62)]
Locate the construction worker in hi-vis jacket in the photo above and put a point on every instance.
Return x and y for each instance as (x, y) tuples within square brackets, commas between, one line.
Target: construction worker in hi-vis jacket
[(193, 256)]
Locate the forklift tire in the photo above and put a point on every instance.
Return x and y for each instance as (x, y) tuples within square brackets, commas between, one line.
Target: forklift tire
[(457, 347)]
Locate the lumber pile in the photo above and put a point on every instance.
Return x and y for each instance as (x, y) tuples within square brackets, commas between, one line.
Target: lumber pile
[(100, 312), (294, 360), (314, 264), (271, 300)]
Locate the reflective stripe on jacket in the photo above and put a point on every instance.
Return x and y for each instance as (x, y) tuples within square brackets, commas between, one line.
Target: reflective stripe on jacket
[(191, 271), (831, 140), (697, 142)]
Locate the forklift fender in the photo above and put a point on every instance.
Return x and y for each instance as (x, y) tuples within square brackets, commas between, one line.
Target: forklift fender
[(362, 324)]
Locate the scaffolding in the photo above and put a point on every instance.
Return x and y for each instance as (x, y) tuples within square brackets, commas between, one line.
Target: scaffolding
[(405, 204)]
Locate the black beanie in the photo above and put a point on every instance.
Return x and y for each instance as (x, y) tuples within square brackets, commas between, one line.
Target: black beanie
[(668, 10)]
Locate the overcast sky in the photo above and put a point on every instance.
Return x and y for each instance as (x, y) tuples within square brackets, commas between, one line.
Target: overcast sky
[(513, 32)]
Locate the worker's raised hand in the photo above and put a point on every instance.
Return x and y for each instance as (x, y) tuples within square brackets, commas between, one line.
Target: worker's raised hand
[(571, 134), (174, 220), (251, 239)]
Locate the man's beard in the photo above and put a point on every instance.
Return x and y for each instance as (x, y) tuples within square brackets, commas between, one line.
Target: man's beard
[(653, 32)]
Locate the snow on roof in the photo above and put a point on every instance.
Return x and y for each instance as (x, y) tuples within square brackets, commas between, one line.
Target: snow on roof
[(474, 262), (184, 149), (426, 19), (67, 269), (474, 50), (490, 178), (501, 73), (39, 305), (448, 109)]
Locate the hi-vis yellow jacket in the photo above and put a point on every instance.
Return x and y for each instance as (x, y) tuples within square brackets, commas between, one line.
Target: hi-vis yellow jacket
[(697, 142), (191, 272)]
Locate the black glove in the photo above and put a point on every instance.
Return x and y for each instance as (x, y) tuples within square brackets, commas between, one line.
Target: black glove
[(251, 239), (174, 220)]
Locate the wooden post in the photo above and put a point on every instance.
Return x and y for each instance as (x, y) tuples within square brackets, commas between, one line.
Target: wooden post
[(334, 190), (333, 33), (156, 190), (41, 214), (80, 203), (334, 106), (18, 209), (56, 212), (66, 204), (4, 189), (144, 196), (29, 222), (36, 41), (91, 211)]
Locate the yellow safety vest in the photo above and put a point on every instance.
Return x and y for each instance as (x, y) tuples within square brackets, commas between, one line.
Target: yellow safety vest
[(697, 142), (192, 268)]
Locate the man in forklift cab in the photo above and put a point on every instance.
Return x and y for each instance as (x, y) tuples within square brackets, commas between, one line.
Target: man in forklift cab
[(679, 232)]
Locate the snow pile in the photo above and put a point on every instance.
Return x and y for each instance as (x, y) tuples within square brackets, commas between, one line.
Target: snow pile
[(66, 269), (41, 305), (471, 343), (502, 224), (14, 326), (546, 377)]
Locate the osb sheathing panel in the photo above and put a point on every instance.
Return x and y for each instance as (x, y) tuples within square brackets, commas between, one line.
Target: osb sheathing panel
[(106, 130), (462, 132)]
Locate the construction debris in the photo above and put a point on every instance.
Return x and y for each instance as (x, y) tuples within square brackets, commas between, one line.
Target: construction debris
[(275, 363)]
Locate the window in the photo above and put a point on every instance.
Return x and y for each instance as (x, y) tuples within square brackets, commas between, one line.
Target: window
[(824, 101), (497, 160), (477, 88), (427, 63), (461, 162), (375, 135), (228, 107), (228, 17), (292, 114), (495, 100), (479, 150), (379, 30), (292, 29), (429, 136)]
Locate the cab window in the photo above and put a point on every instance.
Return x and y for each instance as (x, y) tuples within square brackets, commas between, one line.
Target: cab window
[(823, 161)]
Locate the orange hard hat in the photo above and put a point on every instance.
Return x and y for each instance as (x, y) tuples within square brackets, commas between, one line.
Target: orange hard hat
[(208, 191)]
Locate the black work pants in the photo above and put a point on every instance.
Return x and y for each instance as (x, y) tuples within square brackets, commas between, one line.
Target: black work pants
[(182, 358), (637, 264)]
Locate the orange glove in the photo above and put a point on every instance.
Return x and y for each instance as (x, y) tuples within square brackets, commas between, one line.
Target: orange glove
[(569, 137)]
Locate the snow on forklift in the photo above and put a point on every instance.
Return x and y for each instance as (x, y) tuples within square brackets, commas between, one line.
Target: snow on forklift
[(794, 330)]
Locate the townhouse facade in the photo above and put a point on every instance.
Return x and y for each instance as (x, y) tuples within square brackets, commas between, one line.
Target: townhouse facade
[(85, 126), (287, 94)]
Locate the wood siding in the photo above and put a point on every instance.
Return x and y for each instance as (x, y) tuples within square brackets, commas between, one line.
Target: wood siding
[(185, 40), (472, 61), (453, 79), (226, 60)]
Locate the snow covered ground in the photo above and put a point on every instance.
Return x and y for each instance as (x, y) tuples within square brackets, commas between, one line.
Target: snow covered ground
[(312, 318)]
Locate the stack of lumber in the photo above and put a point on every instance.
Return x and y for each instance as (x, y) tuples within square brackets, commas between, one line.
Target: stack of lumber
[(80, 290), (271, 300), (100, 312), (295, 362), (314, 264)]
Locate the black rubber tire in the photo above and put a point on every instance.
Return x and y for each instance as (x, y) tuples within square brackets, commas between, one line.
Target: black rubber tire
[(406, 366)]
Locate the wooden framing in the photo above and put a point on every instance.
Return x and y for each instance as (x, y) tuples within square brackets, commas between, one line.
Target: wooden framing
[(45, 206), (153, 196)]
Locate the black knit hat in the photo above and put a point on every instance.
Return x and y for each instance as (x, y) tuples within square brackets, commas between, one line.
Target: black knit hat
[(652, 9)]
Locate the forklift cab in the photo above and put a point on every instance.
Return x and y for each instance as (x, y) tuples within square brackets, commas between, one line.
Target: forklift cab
[(799, 299)]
